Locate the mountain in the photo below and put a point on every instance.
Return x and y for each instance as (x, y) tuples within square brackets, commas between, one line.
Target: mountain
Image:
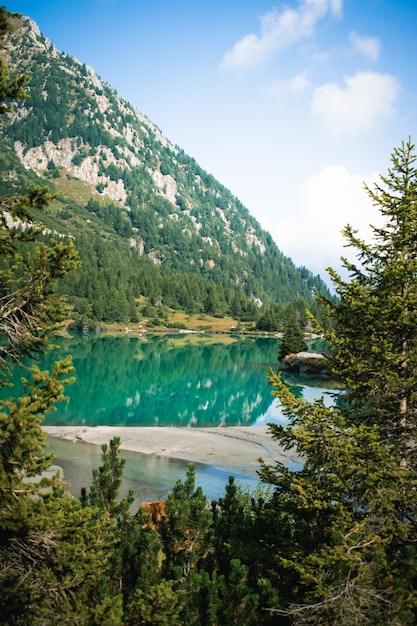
[(150, 224)]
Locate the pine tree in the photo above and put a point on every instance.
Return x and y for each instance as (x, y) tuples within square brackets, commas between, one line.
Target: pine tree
[(343, 527), (233, 528), (239, 602), (107, 480), (293, 338), (347, 519), (30, 310), (158, 605), (374, 336), (186, 530)]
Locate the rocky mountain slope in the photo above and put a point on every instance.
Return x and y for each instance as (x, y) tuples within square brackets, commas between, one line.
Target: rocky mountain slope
[(166, 225)]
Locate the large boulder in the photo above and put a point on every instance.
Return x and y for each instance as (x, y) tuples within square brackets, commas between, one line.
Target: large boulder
[(311, 363)]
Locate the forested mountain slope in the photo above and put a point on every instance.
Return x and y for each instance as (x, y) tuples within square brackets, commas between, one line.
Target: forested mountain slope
[(146, 219)]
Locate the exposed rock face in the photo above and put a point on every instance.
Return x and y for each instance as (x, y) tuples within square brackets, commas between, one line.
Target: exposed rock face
[(311, 363), (166, 185), (78, 135)]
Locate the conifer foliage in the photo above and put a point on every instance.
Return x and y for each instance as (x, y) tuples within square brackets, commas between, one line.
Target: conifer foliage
[(29, 311), (350, 514), (292, 339), (11, 88), (375, 324)]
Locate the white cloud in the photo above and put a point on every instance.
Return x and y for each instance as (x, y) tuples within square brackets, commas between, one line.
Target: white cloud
[(369, 47), (366, 98), (278, 29), (295, 84), (327, 202)]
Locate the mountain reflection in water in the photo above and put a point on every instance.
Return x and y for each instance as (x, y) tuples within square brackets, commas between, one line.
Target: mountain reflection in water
[(168, 380)]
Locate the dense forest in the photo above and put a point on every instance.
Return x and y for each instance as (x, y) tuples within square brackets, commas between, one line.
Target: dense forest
[(153, 230), (332, 543)]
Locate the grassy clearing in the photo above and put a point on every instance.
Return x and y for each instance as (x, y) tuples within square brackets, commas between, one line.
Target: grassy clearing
[(181, 321), (77, 190), (206, 323)]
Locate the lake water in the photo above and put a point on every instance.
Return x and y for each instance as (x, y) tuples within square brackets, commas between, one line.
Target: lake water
[(165, 380), (170, 380)]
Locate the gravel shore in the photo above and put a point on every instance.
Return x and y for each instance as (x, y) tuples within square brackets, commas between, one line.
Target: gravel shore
[(234, 447)]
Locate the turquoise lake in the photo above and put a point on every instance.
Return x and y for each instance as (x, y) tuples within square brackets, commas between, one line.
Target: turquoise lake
[(164, 380), (170, 380)]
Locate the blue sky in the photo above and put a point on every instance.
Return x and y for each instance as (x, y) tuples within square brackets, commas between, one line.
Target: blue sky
[(291, 106)]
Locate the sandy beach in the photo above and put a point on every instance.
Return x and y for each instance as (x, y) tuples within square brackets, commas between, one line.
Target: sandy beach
[(235, 448)]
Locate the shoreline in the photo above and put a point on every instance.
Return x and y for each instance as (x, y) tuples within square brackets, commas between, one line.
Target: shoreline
[(236, 448)]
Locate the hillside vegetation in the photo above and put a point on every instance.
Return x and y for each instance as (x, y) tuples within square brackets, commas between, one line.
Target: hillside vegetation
[(152, 228)]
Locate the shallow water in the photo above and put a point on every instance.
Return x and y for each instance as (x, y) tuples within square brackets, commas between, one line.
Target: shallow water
[(150, 477)]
